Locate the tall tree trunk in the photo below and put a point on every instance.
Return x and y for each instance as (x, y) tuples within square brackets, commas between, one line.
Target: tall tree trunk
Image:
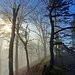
[(45, 52), (27, 57), (1, 41), (0, 62), (11, 44), (51, 43), (38, 51), (16, 52), (44, 39)]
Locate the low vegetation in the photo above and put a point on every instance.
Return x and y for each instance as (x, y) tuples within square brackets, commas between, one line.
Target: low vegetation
[(54, 71)]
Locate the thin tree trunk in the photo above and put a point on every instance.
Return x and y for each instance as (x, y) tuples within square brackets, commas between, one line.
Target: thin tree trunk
[(0, 62), (44, 40), (27, 57), (11, 44), (25, 47), (38, 51), (44, 44), (16, 52), (0, 56)]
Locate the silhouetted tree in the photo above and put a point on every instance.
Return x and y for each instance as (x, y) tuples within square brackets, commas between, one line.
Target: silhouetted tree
[(62, 7)]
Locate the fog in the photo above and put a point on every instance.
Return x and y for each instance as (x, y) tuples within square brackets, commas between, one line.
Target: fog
[(4, 59)]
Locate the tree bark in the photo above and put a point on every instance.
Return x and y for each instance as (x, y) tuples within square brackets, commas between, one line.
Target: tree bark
[(11, 44), (16, 52), (51, 43), (45, 52), (38, 51), (27, 57), (0, 56), (0, 62), (25, 47), (44, 38)]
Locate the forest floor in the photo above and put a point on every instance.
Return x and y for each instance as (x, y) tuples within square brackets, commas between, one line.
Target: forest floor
[(68, 61), (33, 70), (37, 68), (34, 67)]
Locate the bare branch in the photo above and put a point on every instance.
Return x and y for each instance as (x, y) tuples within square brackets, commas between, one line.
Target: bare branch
[(67, 49), (21, 39), (58, 15), (63, 29), (35, 32), (57, 43), (32, 9)]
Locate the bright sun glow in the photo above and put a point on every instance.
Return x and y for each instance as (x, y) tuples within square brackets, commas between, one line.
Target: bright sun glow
[(7, 28)]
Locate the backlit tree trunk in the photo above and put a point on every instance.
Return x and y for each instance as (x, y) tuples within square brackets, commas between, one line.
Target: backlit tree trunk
[(11, 44), (16, 52), (1, 41)]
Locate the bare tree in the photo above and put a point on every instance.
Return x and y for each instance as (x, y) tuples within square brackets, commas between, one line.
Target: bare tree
[(42, 27), (62, 7), (25, 41), (12, 11)]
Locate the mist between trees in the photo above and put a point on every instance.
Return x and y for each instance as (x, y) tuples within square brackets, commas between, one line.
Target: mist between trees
[(31, 30)]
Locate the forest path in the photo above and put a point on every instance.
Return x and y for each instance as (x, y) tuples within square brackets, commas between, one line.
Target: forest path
[(68, 61), (23, 70)]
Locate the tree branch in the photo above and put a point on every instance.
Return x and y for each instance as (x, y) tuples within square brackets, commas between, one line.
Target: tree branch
[(63, 29), (68, 49), (32, 9), (16, 13), (57, 43), (58, 15), (21, 39)]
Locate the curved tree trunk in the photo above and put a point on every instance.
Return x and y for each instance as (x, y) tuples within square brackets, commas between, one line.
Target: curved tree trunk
[(25, 47)]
